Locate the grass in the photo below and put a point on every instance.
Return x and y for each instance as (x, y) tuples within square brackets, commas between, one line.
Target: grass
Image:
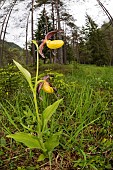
[(85, 117)]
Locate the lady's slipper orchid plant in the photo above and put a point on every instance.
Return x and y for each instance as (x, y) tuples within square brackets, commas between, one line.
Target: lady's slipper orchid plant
[(42, 141), (54, 44)]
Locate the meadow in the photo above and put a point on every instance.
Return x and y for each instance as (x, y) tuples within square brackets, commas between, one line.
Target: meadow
[(83, 118)]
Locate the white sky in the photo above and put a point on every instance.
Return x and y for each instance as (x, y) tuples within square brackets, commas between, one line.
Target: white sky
[(78, 10), (17, 23)]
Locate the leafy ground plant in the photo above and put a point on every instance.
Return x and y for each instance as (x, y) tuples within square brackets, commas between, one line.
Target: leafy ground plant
[(84, 119), (40, 137)]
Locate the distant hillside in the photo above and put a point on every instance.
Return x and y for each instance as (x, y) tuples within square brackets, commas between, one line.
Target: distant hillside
[(12, 45)]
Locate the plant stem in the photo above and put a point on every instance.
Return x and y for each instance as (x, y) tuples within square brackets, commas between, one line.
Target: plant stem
[(34, 92)]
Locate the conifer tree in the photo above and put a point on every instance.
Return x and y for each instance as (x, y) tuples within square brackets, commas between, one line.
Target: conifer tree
[(43, 26), (95, 43)]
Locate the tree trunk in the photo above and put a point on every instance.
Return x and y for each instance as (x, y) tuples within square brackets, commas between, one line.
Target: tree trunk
[(45, 19), (26, 38), (52, 56), (106, 12), (60, 52), (32, 32), (64, 51), (1, 49), (53, 17), (2, 42)]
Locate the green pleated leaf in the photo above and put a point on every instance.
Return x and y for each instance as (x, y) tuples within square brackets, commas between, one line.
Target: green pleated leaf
[(52, 142), (25, 72), (48, 112), (27, 139)]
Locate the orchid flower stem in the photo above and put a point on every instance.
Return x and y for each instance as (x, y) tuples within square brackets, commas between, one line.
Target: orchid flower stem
[(34, 92)]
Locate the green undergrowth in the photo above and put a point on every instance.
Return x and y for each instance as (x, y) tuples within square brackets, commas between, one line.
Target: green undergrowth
[(85, 118)]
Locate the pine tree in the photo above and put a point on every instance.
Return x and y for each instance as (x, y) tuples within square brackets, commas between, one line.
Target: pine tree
[(44, 25), (96, 44), (107, 31)]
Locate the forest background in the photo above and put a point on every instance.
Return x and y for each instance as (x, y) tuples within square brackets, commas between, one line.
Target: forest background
[(91, 44)]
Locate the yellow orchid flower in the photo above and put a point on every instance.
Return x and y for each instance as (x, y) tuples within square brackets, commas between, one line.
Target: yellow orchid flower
[(47, 88), (54, 44)]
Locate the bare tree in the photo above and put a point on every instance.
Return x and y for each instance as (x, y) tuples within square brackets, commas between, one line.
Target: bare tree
[(106, 12), (3, 31)]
